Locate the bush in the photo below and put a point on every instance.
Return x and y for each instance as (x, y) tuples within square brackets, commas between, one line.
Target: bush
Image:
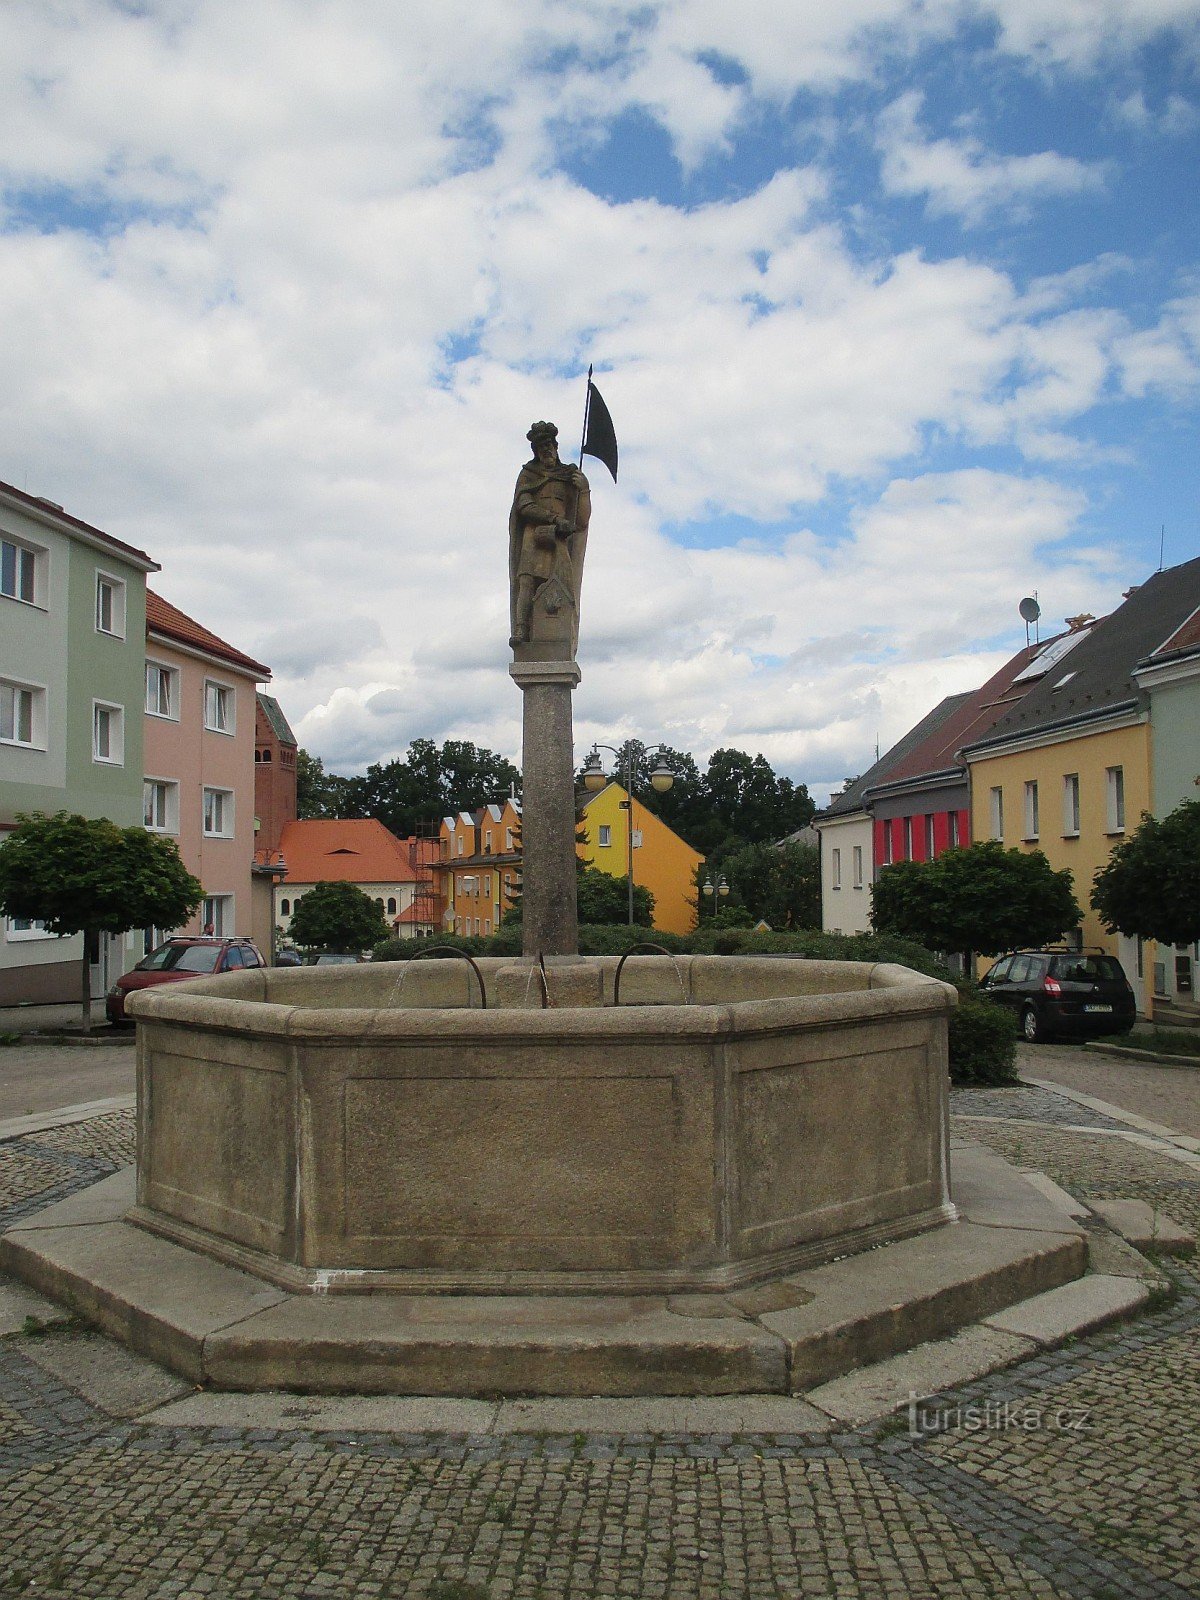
[(983, 1041)]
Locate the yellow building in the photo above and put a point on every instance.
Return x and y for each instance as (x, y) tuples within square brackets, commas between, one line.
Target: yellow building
[(662, 862), (1068, 769)]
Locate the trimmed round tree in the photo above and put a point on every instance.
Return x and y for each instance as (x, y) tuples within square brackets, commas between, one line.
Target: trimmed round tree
[(87, 875), (978, 900), (337, 916), (1151, 884)]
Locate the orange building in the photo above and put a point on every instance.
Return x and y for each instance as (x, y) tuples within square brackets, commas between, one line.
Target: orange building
[(479, 869)]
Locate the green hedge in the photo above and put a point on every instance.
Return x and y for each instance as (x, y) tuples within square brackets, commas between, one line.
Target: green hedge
[(983, 1041), (982, 1035)]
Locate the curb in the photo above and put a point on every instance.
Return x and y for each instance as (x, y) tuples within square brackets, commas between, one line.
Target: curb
[(39, 1121), (1153, 1059)]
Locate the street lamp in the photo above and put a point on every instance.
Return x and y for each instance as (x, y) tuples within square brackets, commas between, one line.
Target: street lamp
[(594, 779), (716, 892)]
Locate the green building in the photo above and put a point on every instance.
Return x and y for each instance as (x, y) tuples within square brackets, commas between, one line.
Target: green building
[(72, 699)]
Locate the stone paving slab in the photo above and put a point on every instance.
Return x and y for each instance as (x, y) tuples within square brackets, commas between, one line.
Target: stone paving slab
[(870, 1306), (106, 1374), (153, 1297), (1109, 1254), (1072, 1309), (878, 1390), (985, 1194), (473, 1344), (1145, 1227), (19, 1303), (1057, 1196)]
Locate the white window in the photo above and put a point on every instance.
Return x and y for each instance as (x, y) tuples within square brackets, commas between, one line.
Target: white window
[(887, 843), (930, 850), (108, 734), (837, 869), (955, 838), (461, 845), (487, 925), (218, 813), (162, 690), (22, 714), (160, 806), (1115, 780), (110, 605), (218, 707), (20, 571), (216, 915), (508, 840), (487, 887), (19, 928), (1071, 805), (996, 808), (605, 836), (487, 843), (1031, 810), (858, 870), (908, 853)]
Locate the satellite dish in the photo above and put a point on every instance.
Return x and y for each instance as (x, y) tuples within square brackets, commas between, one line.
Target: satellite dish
[(1029, 609)]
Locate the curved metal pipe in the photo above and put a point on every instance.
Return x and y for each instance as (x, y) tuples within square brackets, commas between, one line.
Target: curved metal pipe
[(636, 950), (453, 950)]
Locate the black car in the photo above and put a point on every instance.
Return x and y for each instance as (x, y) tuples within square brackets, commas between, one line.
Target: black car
[(1074, 994)]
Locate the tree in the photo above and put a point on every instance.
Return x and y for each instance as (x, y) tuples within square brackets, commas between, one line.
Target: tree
[(337, 916), (603, 898), (87, 875), (781, 884), (318, 793), (1151, 884), (980, 899), (433, 781)]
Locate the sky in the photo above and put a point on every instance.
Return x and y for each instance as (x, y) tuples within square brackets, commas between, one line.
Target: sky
[(895, 305)]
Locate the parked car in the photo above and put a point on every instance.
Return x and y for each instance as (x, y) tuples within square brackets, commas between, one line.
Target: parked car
[(181, 957), (1075, 994), (288, 958), (332, 958)]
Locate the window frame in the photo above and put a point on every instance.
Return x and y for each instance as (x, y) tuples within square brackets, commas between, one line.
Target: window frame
[(38, 734), (35, 931), (1070, 805), (1032, 811), (171, 714), (604, 836), (835, 868), (226, 695), (110, 760), (38, 557), (856, 860), (1114, 799), (226, 829), (996, 812), (170, 790), (219, 903), (120, 604)]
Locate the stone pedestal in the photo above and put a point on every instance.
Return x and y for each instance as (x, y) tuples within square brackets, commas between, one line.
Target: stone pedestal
[(549, 915)]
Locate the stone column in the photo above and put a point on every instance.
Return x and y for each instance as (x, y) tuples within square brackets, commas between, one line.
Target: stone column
[(550, 919)]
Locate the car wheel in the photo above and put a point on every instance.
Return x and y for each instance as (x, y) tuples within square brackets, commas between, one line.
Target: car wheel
[(1031, 1027)]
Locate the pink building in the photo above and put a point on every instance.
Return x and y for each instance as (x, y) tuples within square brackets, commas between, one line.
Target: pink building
[(199, 760)]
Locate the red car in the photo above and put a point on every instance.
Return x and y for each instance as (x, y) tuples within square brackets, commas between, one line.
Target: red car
[(183, 957)]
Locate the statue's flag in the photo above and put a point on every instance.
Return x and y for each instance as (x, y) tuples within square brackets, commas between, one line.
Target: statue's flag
[(599, 435)]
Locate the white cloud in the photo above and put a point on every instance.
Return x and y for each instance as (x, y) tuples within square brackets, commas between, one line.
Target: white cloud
[(961, 178)]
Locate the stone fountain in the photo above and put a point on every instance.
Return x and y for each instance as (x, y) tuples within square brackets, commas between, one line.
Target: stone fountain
[(551, 1176)]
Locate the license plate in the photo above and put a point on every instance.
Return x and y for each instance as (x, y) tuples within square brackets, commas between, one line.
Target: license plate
[(1097, 1008)]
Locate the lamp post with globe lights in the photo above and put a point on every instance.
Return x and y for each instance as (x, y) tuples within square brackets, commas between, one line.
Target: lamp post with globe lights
[(715, 892), (594, 779)]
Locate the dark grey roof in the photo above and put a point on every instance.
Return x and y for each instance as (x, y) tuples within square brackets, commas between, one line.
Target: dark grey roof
[(274, 715), (1096, 678), (851, 799)]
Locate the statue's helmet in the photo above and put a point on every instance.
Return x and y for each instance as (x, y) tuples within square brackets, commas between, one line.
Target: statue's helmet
[(542, 430)]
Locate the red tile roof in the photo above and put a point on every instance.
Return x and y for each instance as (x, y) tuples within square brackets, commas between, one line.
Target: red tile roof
[(165, 619), (344, 850), (421, 915), (1185, 638)]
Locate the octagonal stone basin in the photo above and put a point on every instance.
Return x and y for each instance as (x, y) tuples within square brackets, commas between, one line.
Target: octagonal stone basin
[(370, 1128)]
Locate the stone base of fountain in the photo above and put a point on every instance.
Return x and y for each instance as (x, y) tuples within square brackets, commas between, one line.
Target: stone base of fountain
[(338, 1192)]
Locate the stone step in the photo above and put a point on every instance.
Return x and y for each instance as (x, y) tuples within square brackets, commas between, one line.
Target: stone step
[(215, 1324), (1145, 1227)]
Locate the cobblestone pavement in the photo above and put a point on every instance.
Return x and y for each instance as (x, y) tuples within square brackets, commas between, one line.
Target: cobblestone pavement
[(1073, 1474)]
